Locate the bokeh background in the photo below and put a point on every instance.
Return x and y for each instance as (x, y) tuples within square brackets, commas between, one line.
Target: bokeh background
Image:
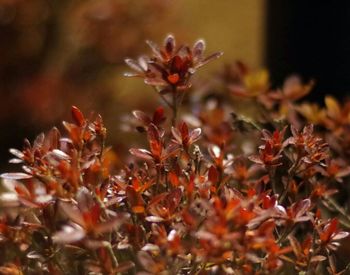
[(58, 53)]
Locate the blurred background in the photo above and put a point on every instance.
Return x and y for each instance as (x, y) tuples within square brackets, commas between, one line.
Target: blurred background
[(58, 53)]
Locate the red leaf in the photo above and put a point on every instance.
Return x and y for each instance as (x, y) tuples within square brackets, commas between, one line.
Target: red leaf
[(78, 116), (213, 175), (158, 116), (154, 141), (184, 131), (173, 178)]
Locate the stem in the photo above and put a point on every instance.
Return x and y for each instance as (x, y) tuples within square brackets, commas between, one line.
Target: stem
[(174, 107), (162, 97), (291, 173), (285, 234), (272, 173), (108, 246), (165, 100), (312, 253), (330, 202), (158, 171)]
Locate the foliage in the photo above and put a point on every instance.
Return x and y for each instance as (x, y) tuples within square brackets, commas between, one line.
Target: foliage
[(214, 192)]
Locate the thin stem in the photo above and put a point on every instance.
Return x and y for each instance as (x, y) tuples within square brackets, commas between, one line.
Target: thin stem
[(272, 173), (330, 202), (174, 107), (162, 97), (108, 246), (285, 234), (312, 253), (165, 100), (291, 173), (158, 171)]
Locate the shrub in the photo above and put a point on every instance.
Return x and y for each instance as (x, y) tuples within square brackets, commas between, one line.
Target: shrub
[(215, 191)]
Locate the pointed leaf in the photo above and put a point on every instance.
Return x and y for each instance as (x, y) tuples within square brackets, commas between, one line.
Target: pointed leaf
[(15, 176), (78, 116), (141, 153)]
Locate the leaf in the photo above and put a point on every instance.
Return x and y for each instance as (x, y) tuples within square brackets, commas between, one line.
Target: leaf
[(128, 74), (155, 49), (301, 207), (318, 258), (208, 59), (174, 179), (173, 199), (15, 176), (154, 141), (9, 199), (295, 246), (155, 81), (142, 117), (15, 161), (141, 153), (340, 235), (170, 151), (54, 138), (72, 213), (194, 135), (213, 175), (176, 134), (146, 261), (60, 154), (343, 172), (35, 255), (333, 108), (158, 116), (68, 234), (39, 141), (184, 131), (138, 209), (150, 247), (123, 267), (135, 200), (77, 116), (198, 49), (17, 153), (111, 224), (154, 219), (214, 151), (133, 64), (169, 44), (84, 199), (256, 159)]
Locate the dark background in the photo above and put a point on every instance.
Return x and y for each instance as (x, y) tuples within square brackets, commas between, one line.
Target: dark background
[(311, 38)]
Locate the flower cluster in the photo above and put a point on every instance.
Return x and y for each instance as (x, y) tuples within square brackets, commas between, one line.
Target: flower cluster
[(213, 191)]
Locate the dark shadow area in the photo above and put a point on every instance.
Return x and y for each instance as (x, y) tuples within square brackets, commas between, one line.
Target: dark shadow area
[(310, 38)]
